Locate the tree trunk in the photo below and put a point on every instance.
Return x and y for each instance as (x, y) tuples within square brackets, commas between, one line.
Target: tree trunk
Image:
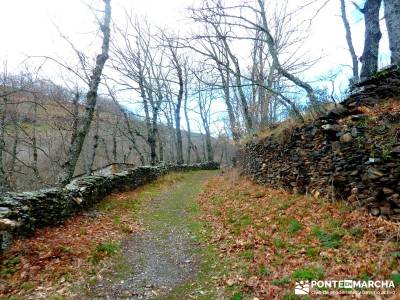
[(350, 42), (91, 99), (3, 175), (272, 47), (95, 144), (34, 143), (153, 135), (392, 17), (185, 109), (369, 58), (177, 107), (232, 119), (238, 79), (210, 152), (12, 177), (196, 153), (179, 145), (109, 161), (160, 147), (115, 144)]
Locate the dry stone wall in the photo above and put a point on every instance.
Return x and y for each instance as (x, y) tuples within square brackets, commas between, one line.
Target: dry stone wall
[(343, 155), (22, 213)]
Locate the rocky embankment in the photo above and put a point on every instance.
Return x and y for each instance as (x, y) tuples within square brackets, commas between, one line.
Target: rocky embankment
[(351, 153), (22, 213)]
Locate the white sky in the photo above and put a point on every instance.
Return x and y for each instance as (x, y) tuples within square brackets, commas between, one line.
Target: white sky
[(29, 27)]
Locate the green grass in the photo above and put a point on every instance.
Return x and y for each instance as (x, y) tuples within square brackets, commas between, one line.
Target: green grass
[(294, 226), (328, 240), (216, 200), (309, 273), (263, 271), (396, 278), (312, 252), (248, 254), (279, 243), (237, 296), (356, 232), (9, 266), (109, 248), (281, 281)]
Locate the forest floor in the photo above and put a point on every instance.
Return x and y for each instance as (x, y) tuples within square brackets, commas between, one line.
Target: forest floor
[(201, 235)]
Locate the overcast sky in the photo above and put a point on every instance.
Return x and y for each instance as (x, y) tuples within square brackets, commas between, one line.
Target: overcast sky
[(29, 28)]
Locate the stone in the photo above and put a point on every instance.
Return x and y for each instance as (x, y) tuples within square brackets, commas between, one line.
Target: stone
[(358, 117), (22, 213), (345, 138), (373, 173), (4, 212), (369, 200), (396, 150), (7, 224), (78, 200), (354, 132), (374, 160), (387, 191), (354, 173), (330, 127), (385, 210), (375, 211), (335, 146)]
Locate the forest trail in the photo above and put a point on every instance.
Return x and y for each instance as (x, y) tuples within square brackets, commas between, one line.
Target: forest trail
[(202, 235), (166, 254)]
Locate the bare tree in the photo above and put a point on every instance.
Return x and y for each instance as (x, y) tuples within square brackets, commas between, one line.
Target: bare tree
[(177, 62), (3, 175), (92, 158), (139, 62), (369, 58), (392, 18), (204, 100), (275, 57), (91, 98), (186, 113), (349, 40)]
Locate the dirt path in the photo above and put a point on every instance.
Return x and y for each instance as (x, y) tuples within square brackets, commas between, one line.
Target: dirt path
[(166, 254)]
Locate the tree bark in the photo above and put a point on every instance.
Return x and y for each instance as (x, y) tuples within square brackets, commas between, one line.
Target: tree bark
[(392, 18), (177, 108), (185, 109), (34, 143), (369, 58), (95, 144), (3, 175), (91, 99), (349, 40)]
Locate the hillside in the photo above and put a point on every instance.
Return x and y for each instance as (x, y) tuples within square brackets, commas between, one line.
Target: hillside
[(45, 122)]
